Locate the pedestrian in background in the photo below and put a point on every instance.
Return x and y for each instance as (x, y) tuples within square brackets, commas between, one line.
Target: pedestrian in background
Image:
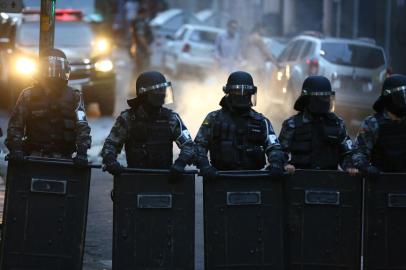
[(227, 50)]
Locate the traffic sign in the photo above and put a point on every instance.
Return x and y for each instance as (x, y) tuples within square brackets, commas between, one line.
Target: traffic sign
[(11, 6)]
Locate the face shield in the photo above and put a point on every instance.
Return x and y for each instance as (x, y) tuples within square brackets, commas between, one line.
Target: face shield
[(241, 95), (397, 100), (159, 94), (54, 67), (320, 102)]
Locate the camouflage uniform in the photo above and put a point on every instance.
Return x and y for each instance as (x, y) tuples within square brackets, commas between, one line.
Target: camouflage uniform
[(342, 146), (368, 148), (231, 140), (19, 124), (145, 154)]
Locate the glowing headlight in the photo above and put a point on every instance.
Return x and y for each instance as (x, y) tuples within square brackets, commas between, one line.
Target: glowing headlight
[(102, 45), (25, 66), (104, 65)]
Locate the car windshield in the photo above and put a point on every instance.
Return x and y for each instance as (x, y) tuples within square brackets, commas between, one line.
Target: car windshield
[(352, 55), (87, 6), (206, 37), (69, 34)]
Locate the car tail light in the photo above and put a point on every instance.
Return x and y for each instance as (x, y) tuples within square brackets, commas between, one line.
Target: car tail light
[(313, 65), (186, 48), (68, 15)]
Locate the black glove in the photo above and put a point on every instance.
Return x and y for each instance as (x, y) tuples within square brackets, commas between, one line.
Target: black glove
[(16, 156), (275, 169), (112, 166), (81, 156), (177, 169), (209, 172)]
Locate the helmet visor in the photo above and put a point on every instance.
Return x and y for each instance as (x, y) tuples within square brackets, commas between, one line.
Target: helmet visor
[(243, 91), (320, 102), (162, 93), (398, 96), (55, 67)]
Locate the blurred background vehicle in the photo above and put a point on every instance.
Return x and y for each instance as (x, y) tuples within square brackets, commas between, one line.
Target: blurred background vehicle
[(92, 69), (213, 18), (190, 50), (166, 24), (356, 68)]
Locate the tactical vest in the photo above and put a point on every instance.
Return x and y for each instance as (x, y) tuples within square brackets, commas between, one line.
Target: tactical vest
[(316, 145), (237, 143), (50, 125), (150, 142), (389, 152)]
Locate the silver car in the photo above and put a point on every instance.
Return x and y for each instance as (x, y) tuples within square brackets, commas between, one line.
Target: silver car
[(356, 69)]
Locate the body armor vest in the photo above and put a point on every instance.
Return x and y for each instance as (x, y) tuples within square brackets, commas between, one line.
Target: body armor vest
[(389, 152), (316, 145), (51, 122), (237, 142), (150, 142)]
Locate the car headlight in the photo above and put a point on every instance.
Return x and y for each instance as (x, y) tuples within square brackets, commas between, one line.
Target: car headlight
[(102, 45), (104, 65), (25, 66)]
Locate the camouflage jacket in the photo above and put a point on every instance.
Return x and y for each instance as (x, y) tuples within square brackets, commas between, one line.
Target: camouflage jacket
[(367, 137), (205, 137), (16, 132), (120, 134), (286, 137)]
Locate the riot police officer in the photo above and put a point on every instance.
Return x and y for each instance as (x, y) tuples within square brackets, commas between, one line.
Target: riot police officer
[(381, 142), (147, 130), (236, 136), (315, 137), (142, 39), (49, 118)]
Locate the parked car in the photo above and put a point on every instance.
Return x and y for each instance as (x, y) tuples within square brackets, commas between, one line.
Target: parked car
[(356, 68), (92, 69), (191, 49), (166, 24)]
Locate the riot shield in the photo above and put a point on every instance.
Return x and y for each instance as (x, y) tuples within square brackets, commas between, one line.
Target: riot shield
[(385, 219), (243, 215), (324, 220), (154, 220), (44, 215)]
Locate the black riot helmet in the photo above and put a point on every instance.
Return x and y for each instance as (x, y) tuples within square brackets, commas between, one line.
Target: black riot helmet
[(153, 89), (316, 97), (240, 90), (393, 97), (54, 66)]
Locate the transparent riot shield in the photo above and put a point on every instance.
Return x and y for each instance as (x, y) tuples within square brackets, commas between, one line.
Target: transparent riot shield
[(243, 215), (323, 220), (44, 215), (385, 220), (154, 220)]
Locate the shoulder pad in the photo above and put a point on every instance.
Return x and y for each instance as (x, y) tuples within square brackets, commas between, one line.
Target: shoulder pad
[(290, 122), (166, 111), (256, 115)]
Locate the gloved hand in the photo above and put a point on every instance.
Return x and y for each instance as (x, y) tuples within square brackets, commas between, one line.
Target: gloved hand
[(177, 169), (81, 157), (16, 156), (209, 172), (275, 169), (112, 166)]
